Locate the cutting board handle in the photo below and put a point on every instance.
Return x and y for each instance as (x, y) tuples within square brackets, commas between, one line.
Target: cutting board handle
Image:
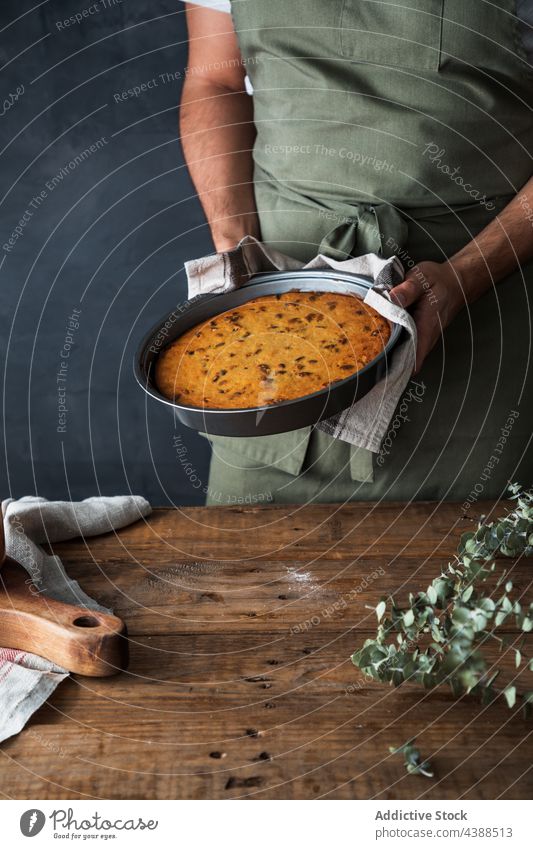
[(83, 641)]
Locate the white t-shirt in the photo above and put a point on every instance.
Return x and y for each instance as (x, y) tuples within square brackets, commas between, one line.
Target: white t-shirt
[(216, 5), (524, 13)]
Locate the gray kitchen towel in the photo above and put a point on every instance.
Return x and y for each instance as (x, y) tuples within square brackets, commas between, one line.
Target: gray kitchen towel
[(366, 422), (26, 680)]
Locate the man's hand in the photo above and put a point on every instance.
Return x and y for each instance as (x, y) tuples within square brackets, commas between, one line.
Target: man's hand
[(435, 293)]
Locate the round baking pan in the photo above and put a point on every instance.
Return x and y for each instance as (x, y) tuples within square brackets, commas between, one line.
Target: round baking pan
[(275, 418)]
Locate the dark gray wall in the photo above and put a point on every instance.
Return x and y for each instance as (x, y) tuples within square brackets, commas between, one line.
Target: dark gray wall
[(109, 238)]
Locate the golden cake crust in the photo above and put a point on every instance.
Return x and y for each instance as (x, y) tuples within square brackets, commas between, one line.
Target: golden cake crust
[(273, 348)]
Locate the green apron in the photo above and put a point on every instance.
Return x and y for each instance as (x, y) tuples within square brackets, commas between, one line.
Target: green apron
[(398, 128)]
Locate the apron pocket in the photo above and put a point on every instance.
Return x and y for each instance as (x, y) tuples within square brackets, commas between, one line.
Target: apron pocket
[(405, 35), (283, 451), (482, 36)]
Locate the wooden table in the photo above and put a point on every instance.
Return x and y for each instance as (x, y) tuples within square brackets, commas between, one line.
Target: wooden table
[(242, 621)]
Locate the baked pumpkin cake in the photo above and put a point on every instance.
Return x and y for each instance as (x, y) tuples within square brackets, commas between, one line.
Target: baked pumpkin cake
[(273, 348)]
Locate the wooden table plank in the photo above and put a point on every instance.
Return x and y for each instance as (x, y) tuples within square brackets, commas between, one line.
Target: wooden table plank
[(240, 683), (251, 533), (275, 595)]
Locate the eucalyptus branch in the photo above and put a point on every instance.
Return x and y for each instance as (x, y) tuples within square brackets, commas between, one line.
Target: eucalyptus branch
[(439, 636), (412, 760)]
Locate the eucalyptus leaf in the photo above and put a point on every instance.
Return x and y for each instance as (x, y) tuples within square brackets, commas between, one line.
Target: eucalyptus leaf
[(506, 604), (467, 594), (380, 610), (510, 696), (432, 594), (408, 618)]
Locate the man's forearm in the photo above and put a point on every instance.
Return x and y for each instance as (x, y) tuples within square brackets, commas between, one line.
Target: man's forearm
[(500, 247), (217, 133)]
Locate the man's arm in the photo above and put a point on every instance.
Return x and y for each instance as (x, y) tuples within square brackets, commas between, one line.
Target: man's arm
[(437, 291), (217, 129), (500, 247)]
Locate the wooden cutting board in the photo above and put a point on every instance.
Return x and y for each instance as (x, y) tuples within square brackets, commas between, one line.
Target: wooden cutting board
[(83, 641)]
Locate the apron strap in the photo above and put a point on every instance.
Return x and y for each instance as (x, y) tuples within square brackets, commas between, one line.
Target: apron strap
[(378, 229)]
